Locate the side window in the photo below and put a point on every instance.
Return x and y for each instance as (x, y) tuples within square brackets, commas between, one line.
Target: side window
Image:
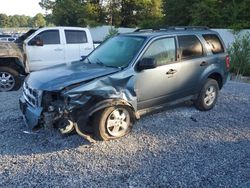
[(190, 47), (214, 43), (75, 36), (50, 37), (163, 50)]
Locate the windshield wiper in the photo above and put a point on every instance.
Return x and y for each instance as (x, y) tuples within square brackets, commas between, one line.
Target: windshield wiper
[(99, 62), (89, 62)]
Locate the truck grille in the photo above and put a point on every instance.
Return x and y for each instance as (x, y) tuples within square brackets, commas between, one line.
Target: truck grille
[(32, 96)]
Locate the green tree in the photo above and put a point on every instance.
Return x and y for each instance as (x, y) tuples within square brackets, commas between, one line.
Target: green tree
[(140, 12), (207, 13), (152, 11), (75, 12), (14, 21), (23, 21), (39, 21), (112, 10), (177, 12), (4, 20)]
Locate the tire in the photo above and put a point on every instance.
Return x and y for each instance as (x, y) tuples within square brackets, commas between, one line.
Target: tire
[(208, 95), (112, 122), (9, 79)]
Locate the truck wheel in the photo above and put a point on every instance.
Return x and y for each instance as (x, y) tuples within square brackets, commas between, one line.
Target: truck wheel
[(208, 95), (9, 79), (112, 122)]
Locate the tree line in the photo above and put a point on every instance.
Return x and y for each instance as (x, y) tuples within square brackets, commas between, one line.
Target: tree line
[(233, 14), (22, 21)]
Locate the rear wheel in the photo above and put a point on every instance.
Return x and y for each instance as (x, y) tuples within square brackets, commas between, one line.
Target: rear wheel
[(9, 79), (208, 95), (112, 122)]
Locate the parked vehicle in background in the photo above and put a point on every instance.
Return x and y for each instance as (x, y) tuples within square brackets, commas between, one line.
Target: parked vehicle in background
[(41, 48), (127, 76), (8, 38)]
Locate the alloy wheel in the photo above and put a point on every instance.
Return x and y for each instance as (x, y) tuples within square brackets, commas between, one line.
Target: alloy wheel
[(7, 81), (118, 122), (210, 95)]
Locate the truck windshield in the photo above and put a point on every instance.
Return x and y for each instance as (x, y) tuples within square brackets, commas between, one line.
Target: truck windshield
[(117, 51)]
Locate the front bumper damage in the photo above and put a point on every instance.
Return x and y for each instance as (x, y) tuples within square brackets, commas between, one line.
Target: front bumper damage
[(31, 115), (76, 105)]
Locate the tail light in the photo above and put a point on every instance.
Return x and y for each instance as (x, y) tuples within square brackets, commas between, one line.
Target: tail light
[(228, 62)]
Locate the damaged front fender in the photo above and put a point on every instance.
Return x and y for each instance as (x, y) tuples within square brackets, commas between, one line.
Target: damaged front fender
[(112, 90)]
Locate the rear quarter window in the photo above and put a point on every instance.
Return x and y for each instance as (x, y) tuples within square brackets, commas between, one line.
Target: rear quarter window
[(190, 47), (214, 43)]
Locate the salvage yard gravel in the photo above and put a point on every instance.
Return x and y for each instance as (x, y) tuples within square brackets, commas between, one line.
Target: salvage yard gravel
[(176, 147)]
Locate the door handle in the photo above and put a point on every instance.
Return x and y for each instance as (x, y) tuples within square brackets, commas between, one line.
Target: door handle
[(58, 49), (171, 71), (204, 63), (87, 48)]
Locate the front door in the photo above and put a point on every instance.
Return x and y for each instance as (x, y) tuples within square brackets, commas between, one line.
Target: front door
[(158, 85), (49, 54)]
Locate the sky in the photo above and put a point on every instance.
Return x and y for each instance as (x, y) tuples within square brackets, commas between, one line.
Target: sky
[(20, 7)]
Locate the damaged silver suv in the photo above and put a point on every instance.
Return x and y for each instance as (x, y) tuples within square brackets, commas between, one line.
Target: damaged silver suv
[(127, 76)]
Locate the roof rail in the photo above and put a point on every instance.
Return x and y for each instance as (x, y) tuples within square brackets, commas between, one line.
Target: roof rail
[(172, 28), (188, 28)]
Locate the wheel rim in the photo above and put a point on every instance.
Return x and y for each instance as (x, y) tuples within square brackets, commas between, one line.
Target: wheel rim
[(118, 122), (7, 81), (210, 95)]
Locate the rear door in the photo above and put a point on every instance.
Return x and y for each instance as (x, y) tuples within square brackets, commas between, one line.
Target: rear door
[(193, 60), (77, 44), (49, 54)]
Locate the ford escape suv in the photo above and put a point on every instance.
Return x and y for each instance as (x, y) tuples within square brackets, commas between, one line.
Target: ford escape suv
[(125, 77)]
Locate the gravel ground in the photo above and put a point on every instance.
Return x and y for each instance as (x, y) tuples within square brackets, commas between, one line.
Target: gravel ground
[(179, 147)]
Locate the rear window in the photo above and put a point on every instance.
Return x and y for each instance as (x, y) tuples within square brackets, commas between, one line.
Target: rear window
[(214, 43), (190, 47), (75, 37)]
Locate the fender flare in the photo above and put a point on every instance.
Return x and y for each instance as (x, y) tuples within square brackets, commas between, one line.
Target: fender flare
[(108, 103), (100, 106)]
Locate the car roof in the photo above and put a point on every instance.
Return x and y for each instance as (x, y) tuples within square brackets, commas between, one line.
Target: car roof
[(152, 33)]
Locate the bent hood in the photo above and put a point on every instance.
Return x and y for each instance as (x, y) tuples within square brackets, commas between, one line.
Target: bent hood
[(61, 76)]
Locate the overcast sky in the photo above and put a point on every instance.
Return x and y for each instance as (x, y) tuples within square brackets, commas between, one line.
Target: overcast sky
[(20, 7)]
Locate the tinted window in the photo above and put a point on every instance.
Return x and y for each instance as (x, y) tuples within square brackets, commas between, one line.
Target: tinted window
[(190, 47), (162, 50), (214, 43), (75, 37), (50, 37)]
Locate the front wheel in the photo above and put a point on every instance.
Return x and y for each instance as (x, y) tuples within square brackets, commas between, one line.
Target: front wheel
[(9, 79), (112, 122), (208, 95)]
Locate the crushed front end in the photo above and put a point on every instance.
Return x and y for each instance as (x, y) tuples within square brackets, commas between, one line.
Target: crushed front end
[(42, 108)]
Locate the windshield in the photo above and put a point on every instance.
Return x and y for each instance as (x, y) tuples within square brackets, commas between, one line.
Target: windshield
[(117, 51)]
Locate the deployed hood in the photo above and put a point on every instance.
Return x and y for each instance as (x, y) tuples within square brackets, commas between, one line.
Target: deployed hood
[(61, 76)]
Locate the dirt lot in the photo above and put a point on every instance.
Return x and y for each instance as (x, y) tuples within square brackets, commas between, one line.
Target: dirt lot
[(179, 147)]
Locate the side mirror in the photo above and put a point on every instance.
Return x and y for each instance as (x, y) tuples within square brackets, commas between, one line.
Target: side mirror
[(146, 63), (37, 41)]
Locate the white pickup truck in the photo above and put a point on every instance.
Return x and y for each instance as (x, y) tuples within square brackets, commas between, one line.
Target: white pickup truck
[(39, 49)]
